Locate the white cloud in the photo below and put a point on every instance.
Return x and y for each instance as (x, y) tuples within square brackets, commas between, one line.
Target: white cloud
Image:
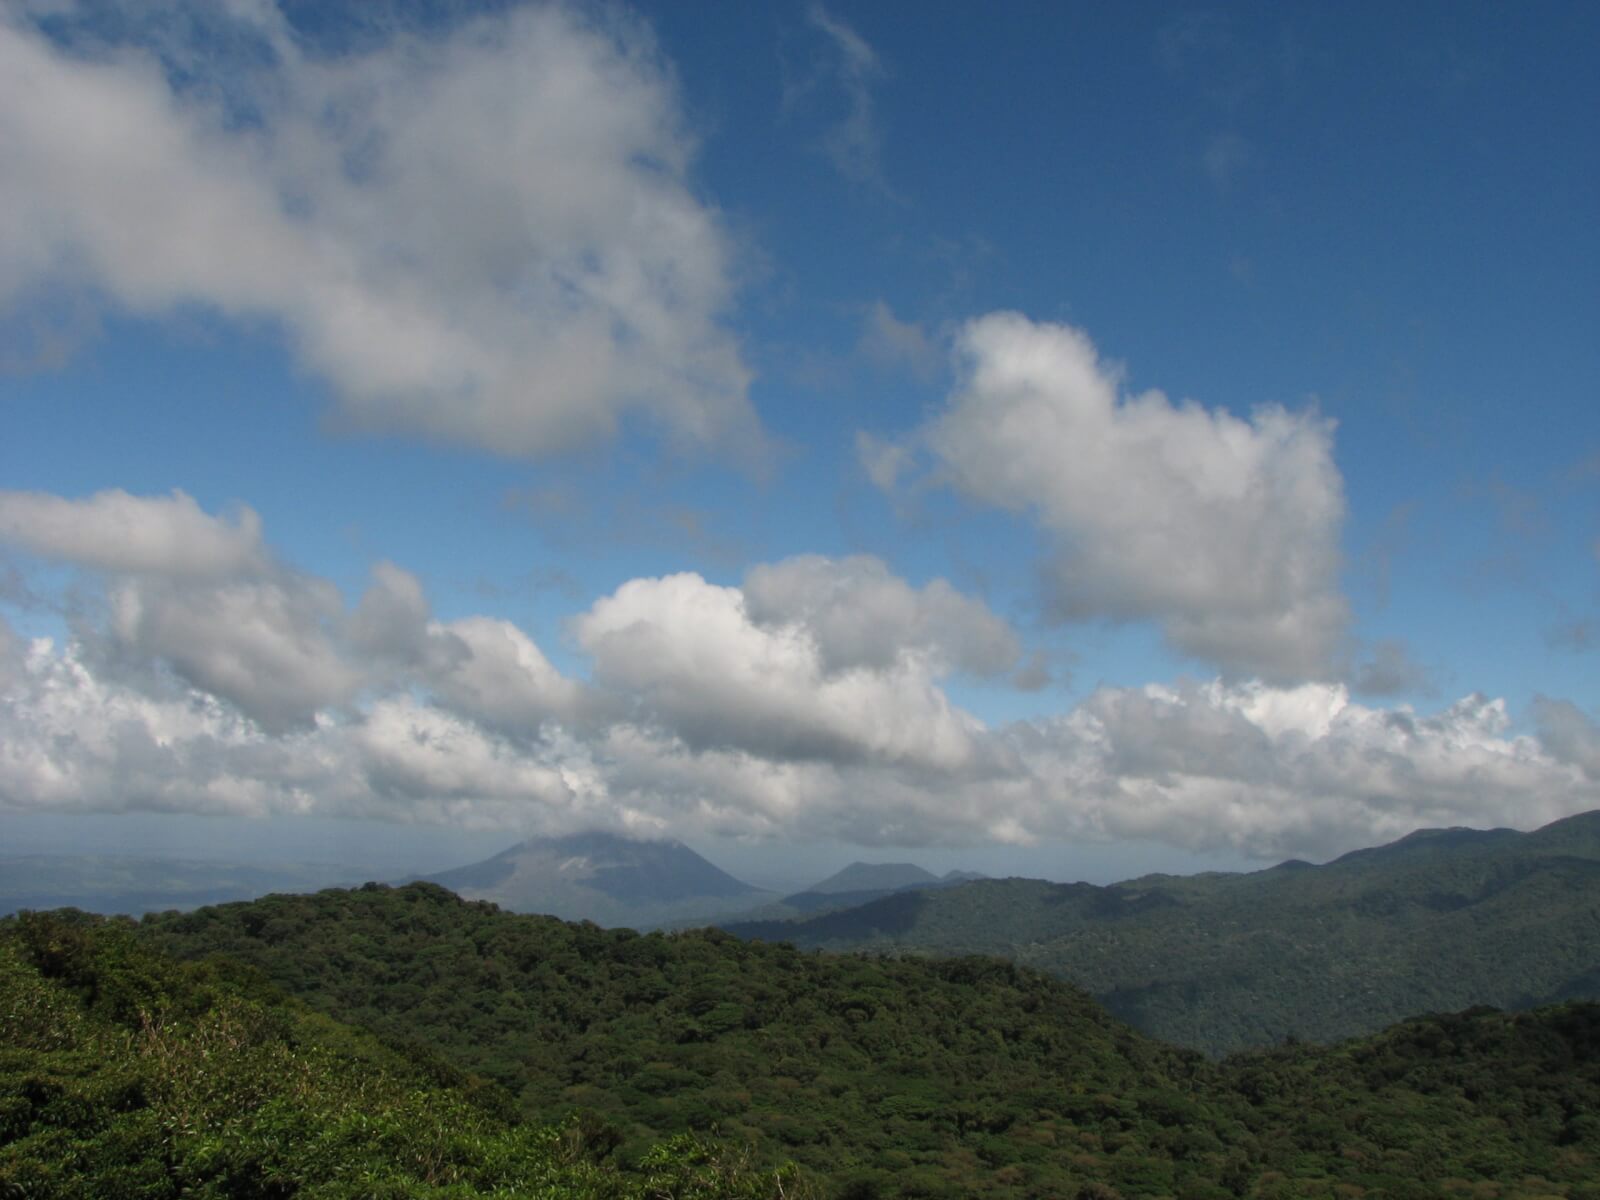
[(197, 595), (391, 624), (265, 645), (503, 679), (76, 742), (1278, 772), (432, 760), (688, 655), (484, 234), (858, 614), (113, 531), (1222, 530), (807, 704), (1271, 772), (665, 782), (203, 599)]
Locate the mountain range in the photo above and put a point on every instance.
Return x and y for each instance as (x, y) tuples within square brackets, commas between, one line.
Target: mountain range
[(859, 883), (594, 876), (1437, 921), (653, 883)]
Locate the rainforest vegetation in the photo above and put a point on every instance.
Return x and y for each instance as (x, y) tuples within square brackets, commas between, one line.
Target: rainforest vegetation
[(1438, 921), (872, 1076), (125, 1074)]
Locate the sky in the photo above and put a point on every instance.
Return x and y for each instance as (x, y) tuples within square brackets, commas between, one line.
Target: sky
[(1058, 439)]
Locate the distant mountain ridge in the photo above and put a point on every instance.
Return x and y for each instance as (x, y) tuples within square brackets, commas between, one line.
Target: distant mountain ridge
[(859, 883), (874, 877), (602, 877), (1440, 920), (136, 884)]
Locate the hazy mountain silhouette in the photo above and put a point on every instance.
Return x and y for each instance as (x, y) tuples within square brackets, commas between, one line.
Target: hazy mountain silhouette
[(603, 877), (874, 877)]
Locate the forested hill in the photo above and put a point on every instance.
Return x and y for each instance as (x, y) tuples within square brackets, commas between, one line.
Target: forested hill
[(907, 1070), (124, 1075), (911, 1077), (1439, 921)]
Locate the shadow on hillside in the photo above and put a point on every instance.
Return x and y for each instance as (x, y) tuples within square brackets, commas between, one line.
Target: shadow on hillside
[(885, 918)]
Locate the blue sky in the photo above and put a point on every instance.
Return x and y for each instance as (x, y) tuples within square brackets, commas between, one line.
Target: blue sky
[(1056, 438)]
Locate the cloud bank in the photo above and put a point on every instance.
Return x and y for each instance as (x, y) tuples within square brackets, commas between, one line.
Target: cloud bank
[(484, 234), (811, 701)]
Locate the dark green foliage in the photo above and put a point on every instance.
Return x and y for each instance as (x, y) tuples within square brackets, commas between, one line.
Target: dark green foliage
[(1441, 920), (1440, 1104), (916, 1077), (839, 1063), (126, 1075)]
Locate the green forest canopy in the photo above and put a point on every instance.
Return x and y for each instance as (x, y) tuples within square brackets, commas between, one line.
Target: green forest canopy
[(1438, 921), (919, 1077)]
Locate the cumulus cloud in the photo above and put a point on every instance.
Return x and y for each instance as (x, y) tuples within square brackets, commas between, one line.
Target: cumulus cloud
[(75, 741), (808, 703), (264, 645), (484, 233), (390, 624), (857, 613), (690, 657), (1221, 529), (1268, 771), (201, 598), (197, 594), (422, 756), (1275, 771), (501, 678)]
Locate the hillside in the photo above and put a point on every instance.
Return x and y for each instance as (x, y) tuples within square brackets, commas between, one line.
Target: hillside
[(910, 1077), (1438, 921), (604, 878), (124, 1074), (872, 1067)]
